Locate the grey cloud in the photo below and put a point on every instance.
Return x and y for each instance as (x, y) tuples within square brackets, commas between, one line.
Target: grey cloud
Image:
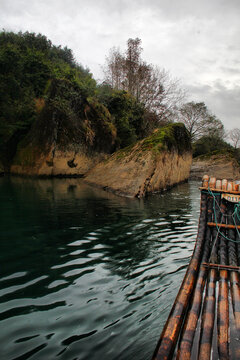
[(197, 41), (230, 70), (222, 101)]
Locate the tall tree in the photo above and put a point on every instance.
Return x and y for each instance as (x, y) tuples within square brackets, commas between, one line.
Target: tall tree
[(199, 121), (149, 84)]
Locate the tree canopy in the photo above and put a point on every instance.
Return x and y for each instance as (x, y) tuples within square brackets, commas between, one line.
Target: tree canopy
[(27, 62), (40, 79), (199, 121), (150, 85), (41, 82)]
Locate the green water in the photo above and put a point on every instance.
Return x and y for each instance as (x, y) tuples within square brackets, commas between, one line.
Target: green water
[(85, 274)]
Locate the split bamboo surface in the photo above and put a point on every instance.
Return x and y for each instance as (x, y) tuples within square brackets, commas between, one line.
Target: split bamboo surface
[(204, 322)]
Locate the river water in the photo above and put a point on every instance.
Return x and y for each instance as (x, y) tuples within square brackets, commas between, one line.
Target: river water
[(88, 275)]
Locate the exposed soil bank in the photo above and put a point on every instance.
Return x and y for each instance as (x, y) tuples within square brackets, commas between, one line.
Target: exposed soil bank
[(54, 163), (153, 164), (219, 166)]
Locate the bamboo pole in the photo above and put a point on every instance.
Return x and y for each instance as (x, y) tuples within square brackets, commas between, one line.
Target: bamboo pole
[(186, 343), (214, 189), (234, 282), (208, 317), (193, 286), (167, 342), (223, 305), (222, 267), (226, 226)]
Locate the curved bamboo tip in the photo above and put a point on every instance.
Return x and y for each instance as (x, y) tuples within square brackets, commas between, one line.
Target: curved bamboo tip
[(205, 180), (230, 186), (219, 184), (212, 183), (222, 185), (236, 185)]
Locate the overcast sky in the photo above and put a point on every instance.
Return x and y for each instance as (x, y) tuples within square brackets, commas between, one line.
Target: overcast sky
[(197, 41)]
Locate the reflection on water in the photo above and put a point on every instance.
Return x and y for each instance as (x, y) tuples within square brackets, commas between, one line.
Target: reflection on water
[(86, 274)]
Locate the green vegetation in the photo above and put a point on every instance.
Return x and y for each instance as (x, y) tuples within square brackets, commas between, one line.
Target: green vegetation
[(127, 115), (47, 99), (200, 122), (170, 137), (208, 146), (46, 96), (28, 64)]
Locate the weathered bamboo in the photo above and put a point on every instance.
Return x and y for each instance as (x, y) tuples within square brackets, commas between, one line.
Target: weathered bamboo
[(208, 317), (235, 292), (205, 181), (230, 186), (212, 183), (210, 299), (224, 184), (223, 305), (234, 281), (186, 343), (221, 267), (236, 186), (167, 342), (214, 189), (184, 317), (226, 226)]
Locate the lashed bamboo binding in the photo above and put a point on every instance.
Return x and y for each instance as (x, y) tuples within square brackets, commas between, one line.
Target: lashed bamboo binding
[(204, 322)]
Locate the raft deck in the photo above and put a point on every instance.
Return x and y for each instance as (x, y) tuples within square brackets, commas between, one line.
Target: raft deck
[(204, 322)]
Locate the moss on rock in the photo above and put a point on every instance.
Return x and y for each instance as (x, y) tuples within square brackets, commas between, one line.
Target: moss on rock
[(170, 137), (153, 164)]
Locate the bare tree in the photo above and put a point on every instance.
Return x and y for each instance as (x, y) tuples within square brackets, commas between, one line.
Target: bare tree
[(234, 135), (113, 72), (199, 121), (149, 84)]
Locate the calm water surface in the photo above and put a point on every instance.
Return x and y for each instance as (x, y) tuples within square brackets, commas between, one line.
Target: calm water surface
[(88, 275)]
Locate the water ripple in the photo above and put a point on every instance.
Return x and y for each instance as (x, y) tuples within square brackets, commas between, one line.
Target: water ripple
[(91, 275)]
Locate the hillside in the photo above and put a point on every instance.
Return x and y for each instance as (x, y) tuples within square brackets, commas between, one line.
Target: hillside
[(41, 83), (56, 121), (153, 164)]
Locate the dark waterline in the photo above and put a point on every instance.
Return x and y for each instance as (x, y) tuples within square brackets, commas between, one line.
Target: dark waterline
[(88, 275)]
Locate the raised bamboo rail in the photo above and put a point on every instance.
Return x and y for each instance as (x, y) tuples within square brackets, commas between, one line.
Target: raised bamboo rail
[(204, 321)]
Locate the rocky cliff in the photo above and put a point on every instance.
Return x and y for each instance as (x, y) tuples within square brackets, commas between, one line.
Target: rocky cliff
[(153, 164), (69, 136), (54, 162), (219, 166)]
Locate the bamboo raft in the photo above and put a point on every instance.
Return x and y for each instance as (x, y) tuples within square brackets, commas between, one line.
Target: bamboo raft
[(204, 322)]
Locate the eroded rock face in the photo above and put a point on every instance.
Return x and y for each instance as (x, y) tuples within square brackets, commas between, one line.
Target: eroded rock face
[(140, 173), (56, 163), (152, 164), (221, 167)]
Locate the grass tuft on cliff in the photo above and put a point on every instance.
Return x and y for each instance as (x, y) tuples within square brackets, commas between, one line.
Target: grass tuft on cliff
[(170, 137)]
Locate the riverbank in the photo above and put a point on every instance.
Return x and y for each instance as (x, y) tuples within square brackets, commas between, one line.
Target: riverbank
[(153, 164), (219, 166)]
